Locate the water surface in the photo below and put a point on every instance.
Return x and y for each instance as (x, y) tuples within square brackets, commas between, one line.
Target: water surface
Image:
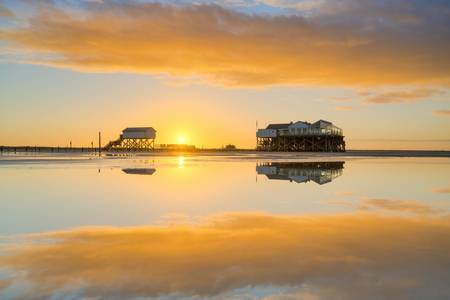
[(223, 227)]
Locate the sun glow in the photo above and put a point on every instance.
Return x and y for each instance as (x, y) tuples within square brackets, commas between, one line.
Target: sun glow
[(181, 140)]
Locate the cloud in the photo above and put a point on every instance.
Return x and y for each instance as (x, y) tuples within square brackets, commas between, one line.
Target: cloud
[(344, 108), (332, 46), (402, 96), (5, 12), (445, 190), (358, 256), (5, 283), (442, 112), (341, 99), (407, 206)]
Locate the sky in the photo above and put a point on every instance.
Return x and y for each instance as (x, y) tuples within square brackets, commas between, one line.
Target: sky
[(210, 71)]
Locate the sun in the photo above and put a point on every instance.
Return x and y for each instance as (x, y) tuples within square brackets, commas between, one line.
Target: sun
[(181, 140)]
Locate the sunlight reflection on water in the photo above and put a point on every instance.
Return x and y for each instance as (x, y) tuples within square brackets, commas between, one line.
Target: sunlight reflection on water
[(215, 227)]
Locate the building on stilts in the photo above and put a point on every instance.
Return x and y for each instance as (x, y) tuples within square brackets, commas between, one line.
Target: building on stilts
[(301, 136)]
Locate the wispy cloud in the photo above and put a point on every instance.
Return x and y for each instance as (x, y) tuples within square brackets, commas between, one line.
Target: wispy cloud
[(344, 108), (340, 99), (328, 47), (402, 96), (231, 252), (5, 12), (443, 190), (442, 112)]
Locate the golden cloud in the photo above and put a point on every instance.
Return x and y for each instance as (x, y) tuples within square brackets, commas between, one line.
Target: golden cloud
[(349, 256), (5, 283), (230, 47), (5, 12), (403, 96), (344, 108), (442, 112), (444, 190)]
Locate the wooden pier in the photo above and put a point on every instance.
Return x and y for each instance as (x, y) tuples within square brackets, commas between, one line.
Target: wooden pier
[(47, 149), (302, 144)]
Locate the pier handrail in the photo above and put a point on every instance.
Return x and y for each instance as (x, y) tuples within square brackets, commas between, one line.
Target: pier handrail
[(310, 131)]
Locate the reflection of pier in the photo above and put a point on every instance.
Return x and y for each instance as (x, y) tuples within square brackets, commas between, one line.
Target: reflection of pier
[(319, 172), (139, 171)]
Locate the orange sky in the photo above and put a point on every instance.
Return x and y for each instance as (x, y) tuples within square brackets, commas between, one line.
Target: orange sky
[(209, 72)]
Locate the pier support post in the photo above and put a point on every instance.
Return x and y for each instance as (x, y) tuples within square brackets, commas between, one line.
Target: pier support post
[(99, 143)]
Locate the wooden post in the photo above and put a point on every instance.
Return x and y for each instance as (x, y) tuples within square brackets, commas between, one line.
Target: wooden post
[(99, 143)]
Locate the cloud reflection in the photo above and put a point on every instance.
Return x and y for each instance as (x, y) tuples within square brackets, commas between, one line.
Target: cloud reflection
[(396, 205), (360, 256)]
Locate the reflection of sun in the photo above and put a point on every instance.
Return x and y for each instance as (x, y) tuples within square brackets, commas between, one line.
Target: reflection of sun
[(181, 140), (180, 161)]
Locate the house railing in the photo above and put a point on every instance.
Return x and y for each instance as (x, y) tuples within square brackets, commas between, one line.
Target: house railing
[(310, 131)]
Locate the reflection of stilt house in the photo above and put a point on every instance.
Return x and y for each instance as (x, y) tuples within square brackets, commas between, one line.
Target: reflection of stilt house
[(321, 136), (134, 139), (319, 172)]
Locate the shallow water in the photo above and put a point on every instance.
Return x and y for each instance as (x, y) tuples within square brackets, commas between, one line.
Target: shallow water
[(238, 227)]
